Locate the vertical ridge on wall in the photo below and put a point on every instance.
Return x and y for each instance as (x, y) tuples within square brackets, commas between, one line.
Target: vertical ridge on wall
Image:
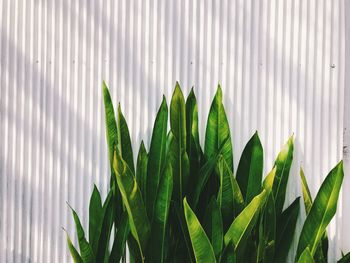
[(281, 65)]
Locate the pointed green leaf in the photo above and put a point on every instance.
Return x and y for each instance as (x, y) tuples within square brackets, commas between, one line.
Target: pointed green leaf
[(141, 169), (178, 155), (156, 157), (157, 240), (268, 181), (124, 145), (286, 229), (132, 200), (74, 253), (322, 210), (213, 226), (283, 164), (218, 131), (118, 249), (306, 257), (86, 251), (250, 168), (242, 226), (202, 248), (230, 198), (267, 231), (345, 258), (95, 219)]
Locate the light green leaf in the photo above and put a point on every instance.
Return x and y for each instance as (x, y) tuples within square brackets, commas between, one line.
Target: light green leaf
[(250, 168), (178, 155), (95, 219), (230, 198), (285, 230), (124, 145), (202, 248), (157, 241), (213, 226), (74, 253), (322, 211), (132, 200), (306, 257), (283, 164), (141, 169), (269, 179), (218, 131), (156, 157), (241, 227)]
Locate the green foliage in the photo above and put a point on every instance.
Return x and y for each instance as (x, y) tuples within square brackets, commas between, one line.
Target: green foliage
[(180, 204)]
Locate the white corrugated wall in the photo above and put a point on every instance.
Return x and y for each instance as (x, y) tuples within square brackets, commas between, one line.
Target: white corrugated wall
[(281, 65)]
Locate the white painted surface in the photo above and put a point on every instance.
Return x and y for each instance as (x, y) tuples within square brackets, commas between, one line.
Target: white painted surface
[(281, 65)]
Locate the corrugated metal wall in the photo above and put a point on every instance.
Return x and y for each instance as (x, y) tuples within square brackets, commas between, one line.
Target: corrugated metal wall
[(281, 65)]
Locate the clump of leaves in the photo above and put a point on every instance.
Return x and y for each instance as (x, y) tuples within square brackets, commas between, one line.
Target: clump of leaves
[(182, 203)]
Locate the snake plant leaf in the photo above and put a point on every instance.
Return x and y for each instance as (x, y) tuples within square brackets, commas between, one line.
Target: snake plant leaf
[(111, 123), (156, 157), (193, 146), (86, 251), (73, 251), (178, 155), (306, 257), (345, 258), (322, 250), (132, 200), (285, 230), (218, 131), (124, 145), (322, 210), (250, 168), (141, 169), (213, 226), (267, 231), (202, 248), (243, 224), (118, 248), (105, 229), (283, 164), (269, 179), (230, 198), (95, 219), (161, 213)]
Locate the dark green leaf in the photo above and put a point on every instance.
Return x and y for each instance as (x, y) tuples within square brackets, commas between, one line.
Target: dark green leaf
[(250, 168), (345, 258), (156, 157), (218, 131), (95, 219), (141, 170), (322, 211), (118, 248), (202, 248)]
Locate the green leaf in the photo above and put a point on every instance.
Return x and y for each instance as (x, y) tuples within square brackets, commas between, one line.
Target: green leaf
[(178, 155), (111, 124), (213, 226), (250, 168), (322, 250), (283, 164), (193, 147), (106, 227), (124, 146), (345, 258), (242, 226), (86, 251), (95, 219), (218, 131), (230, 198), (202, 248), (306, 257), (132, 200), (156, 157), (285, 230), (267, 231), (141, 169), (157, 240), (269, 179), (118, 248), (74, 253), (322, 210)]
